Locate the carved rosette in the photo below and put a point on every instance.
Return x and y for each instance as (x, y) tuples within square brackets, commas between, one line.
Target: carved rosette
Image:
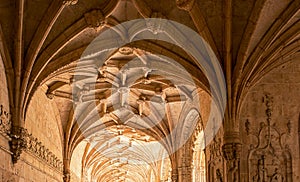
[(70, 2), (185, 4), (95, 18), (18, 142)]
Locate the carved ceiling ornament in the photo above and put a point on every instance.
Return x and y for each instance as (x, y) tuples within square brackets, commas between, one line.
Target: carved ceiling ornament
[(270, 152), (185, 4), (70, 2), (95, 18), (126, 50)]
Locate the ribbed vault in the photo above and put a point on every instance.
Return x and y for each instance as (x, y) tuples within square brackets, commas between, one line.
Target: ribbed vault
[(128, 95)]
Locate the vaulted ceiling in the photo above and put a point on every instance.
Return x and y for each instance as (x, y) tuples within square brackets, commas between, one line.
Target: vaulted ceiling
[(42, 43)]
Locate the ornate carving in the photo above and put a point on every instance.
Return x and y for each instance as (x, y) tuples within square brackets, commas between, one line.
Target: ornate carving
[(126, 50), (267, 154), (5, 122), (231, 152), (94, 18), (276, 177), (219, 177), (215, 148), (185, 4), (18, 142), (215, 162), (39, 150), (21, 140)]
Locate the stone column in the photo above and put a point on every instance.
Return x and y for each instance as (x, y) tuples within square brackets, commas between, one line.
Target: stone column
[(184, 173), (67, 171), (231, 154), (184, 157), (174, 176)]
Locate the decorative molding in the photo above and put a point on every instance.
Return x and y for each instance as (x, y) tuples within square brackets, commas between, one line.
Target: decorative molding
[(185, 4), (39, 150), (95, 18)]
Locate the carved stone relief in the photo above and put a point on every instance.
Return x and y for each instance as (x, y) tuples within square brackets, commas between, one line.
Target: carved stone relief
[(185, 4), (215, 160), (219, 176), (269, 158), (231, 153), (5, 122)]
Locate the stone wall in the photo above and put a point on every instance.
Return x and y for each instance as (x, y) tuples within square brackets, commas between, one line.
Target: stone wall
[(43, 116), (5, 164), (37, 162), (269, 124)]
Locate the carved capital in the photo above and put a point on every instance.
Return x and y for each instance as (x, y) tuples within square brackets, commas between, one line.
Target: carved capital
[(94, 18), (231, 151), (185, 4), (18, 142)]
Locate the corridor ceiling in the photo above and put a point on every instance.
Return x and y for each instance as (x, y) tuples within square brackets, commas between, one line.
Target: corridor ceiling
[(128, 103)]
